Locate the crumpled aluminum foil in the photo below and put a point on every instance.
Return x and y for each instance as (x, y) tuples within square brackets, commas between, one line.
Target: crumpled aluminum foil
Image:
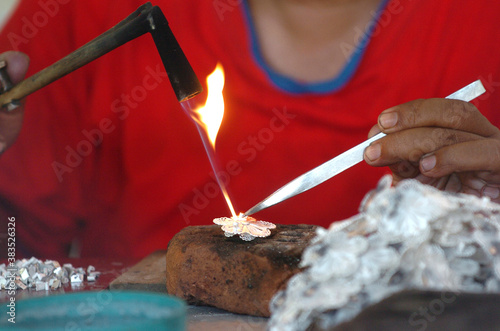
[(412, 236)]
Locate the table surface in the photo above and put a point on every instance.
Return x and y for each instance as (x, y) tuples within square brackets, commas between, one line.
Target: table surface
[(467, 311), (144, 275)]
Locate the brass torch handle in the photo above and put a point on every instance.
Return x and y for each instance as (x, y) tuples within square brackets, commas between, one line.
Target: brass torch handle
[(131, 27)]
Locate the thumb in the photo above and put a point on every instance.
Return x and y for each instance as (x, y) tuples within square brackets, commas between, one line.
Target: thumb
[(17, 65), (11, 121)]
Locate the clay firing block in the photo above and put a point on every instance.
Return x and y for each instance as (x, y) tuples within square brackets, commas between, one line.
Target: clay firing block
[(206, 268)]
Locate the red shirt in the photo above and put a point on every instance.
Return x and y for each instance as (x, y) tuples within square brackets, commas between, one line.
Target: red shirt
[(108, 159)]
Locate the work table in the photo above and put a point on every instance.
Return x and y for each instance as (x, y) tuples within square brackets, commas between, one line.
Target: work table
[(147, 274), (459, 312)]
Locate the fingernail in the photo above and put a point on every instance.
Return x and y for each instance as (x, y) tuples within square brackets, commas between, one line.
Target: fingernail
[(428, 163), (491, 192), (388, 120), (373, 152), (476, 184)]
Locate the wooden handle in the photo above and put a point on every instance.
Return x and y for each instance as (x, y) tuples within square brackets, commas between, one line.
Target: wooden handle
[(130, 28)]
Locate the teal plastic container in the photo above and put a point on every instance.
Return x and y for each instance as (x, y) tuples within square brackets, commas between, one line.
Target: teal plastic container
[(103, 310)]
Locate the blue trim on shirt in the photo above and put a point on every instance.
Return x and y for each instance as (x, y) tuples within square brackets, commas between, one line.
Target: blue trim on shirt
[(290, 85)]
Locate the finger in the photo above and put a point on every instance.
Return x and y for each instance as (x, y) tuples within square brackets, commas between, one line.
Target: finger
[(373, 131), (493, 192), (474, 155), (411, 145), (17, 65), (490, 191), (473, 181), (11, 121), (454, 183), (470, 191), (449, 183), (403, 170), (445, 113)]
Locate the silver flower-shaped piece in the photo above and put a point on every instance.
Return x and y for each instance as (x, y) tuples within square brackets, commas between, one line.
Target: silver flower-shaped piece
[(248, 228)]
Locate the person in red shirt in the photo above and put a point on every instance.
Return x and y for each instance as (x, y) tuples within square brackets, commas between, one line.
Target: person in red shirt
[(108, 164)]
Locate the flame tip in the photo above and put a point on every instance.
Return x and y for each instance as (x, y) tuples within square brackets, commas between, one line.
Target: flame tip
[(209, 118)]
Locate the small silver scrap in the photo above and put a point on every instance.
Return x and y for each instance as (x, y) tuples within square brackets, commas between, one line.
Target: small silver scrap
[(55, 284), (54, 263), (27, 263), (20, 284), (76, 278), (58, 271), (24, 274), (32, 270), (92, 276)]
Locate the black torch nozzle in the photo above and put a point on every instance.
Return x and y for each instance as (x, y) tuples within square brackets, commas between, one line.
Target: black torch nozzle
[(180, 73)]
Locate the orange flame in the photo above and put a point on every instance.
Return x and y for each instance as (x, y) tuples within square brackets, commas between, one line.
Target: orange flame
[(209, 117)]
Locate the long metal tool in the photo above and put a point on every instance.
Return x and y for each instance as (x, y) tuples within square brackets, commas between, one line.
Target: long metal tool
[(146, 18), (345, 160)]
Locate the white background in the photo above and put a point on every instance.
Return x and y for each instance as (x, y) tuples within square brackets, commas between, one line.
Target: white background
[(6, 7)]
